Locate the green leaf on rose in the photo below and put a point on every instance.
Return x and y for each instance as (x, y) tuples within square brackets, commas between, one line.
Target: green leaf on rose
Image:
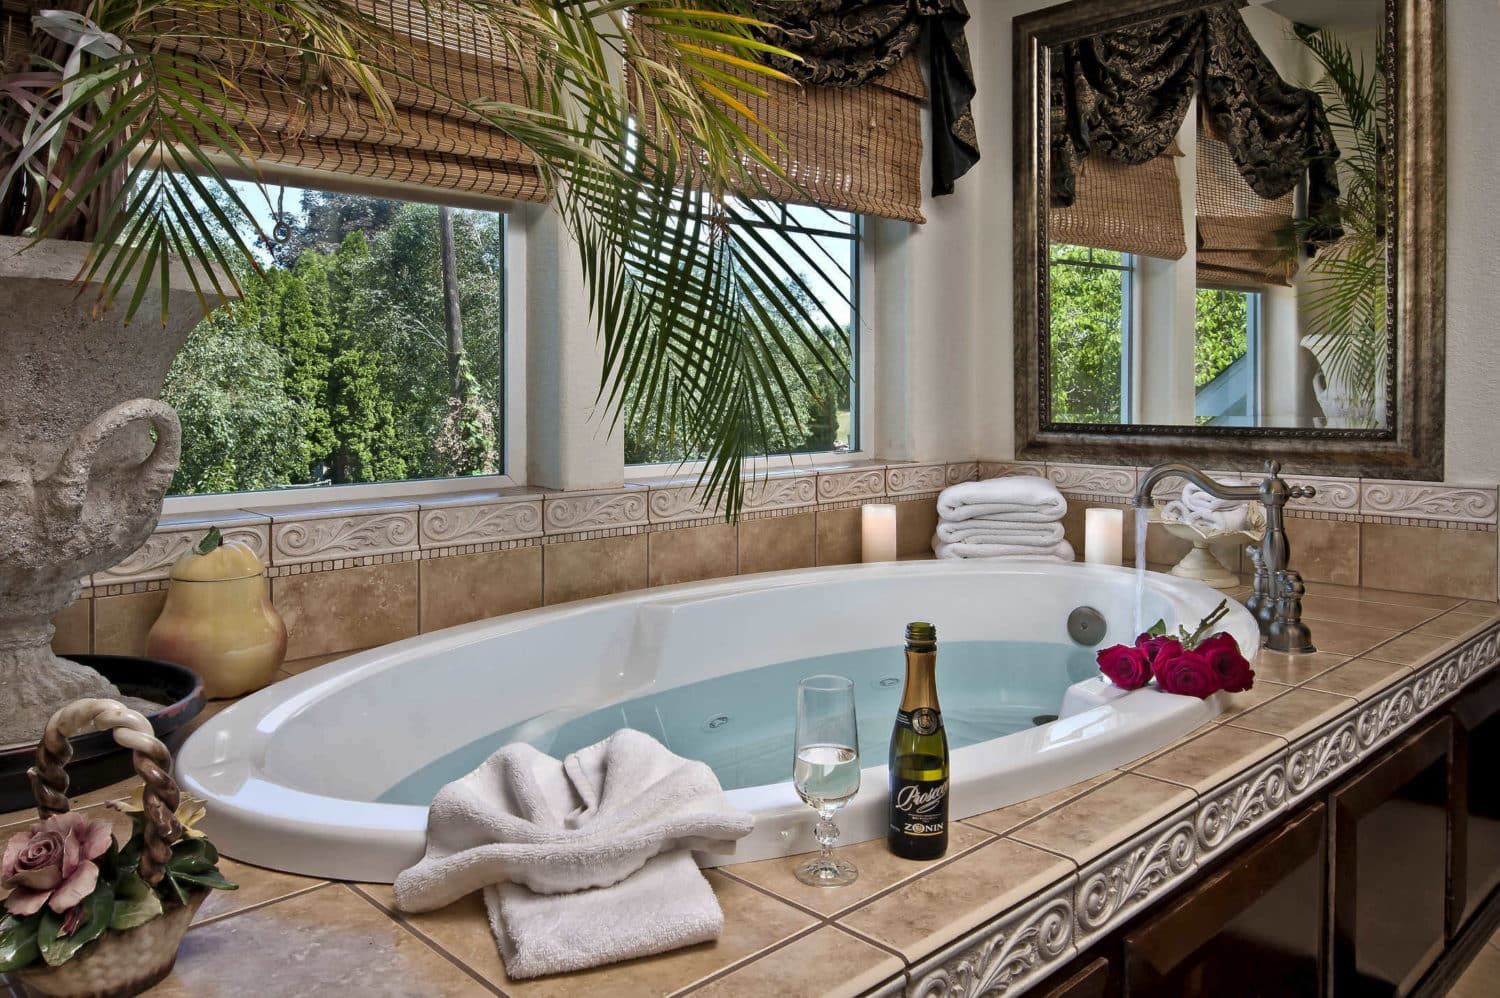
[(135, 903), (18, 945), (57, 949), (1158, 629)]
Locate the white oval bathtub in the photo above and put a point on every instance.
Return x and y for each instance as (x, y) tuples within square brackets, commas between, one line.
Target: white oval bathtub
[(300, 776)]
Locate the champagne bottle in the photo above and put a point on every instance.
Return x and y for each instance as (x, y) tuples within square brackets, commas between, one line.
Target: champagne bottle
[(919, 756)]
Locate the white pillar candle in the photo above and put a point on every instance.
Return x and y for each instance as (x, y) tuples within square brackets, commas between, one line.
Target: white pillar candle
[(878, 531), (1103, 536)]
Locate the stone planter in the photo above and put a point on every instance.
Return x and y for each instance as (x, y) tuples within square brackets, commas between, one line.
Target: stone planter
[(86, 455)]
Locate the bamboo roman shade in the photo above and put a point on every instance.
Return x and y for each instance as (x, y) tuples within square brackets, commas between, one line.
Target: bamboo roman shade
[(1130, 209), (856, 149), (426, 141), (1244, 240)]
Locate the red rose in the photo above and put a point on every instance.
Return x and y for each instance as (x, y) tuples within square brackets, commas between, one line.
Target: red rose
[(1153, 646), (1125, 666), (1186, 673), (1229, 666)]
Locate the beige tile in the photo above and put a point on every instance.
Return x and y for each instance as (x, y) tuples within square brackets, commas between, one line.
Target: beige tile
[(598, 567), (10, 821), (257, 886), (461, 588), (926, 913), (1360, 679), (1349, 611), (1237, 703), (1293, 670), (839, 537), (1456, 624), (73, 628), (347, 608), (829, 962), (1208, 760), (879, 869), (122, 622), (1411, 649), (326, 942), (916, 522), (1386, 596), (1325, 550), (771, 544), (1348, 640), (298, 666), (753, 922), (1293, 714), (1101, 819), (690, 554), (1002, 820), (1481, 979), (1429, 560), (1484, 606)]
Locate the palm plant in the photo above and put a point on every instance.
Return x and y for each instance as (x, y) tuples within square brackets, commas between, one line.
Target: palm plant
[(118, 131), (1345, 294)]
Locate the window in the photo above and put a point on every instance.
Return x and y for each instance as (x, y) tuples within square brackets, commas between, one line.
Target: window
[(828, 418), (342, 363), (1090, 299), (1226, 358)]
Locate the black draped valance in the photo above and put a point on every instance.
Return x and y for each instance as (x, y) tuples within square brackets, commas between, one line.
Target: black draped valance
[(1124, 93), (846, 43)]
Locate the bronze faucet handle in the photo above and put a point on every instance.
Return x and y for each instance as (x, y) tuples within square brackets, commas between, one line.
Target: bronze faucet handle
[(1301, 492)]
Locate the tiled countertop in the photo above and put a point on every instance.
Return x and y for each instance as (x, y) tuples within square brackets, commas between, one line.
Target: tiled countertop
[(1071, 864)]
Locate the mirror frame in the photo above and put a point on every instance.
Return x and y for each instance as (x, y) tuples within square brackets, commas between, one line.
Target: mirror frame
[(1412, 445)]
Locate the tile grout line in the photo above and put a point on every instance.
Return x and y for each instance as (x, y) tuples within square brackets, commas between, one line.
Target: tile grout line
[(425, 940), (257, 906), (742, 963)]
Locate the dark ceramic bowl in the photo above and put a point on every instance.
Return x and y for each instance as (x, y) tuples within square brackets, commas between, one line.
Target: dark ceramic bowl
[(97, 761)]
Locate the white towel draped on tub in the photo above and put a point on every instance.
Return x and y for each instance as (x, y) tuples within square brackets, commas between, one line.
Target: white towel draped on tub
[(1022, 498), (582, 862)]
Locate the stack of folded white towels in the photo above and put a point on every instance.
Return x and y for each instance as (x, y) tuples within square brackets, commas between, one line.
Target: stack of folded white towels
[(1211, 514), (1017, 517)]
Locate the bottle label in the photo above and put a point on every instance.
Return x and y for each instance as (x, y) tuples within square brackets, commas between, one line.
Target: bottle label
[(925, 720), (920, 807)]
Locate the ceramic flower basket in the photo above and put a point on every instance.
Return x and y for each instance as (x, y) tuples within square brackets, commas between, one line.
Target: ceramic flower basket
[(118, 962)]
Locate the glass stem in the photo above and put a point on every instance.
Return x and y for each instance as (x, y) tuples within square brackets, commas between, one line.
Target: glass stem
[(827, 833)]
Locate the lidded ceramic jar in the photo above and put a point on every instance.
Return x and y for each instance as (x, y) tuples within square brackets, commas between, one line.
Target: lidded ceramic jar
[(219, 621)]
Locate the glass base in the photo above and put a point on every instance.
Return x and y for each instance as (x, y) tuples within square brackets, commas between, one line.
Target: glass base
[(830, 872)]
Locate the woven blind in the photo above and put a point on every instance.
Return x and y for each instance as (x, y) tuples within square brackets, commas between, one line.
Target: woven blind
[(1130, 209), (428, 141), (856, 149), (1242, 237)]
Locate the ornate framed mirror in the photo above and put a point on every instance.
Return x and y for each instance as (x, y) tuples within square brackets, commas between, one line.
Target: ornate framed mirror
[(1230, 234)]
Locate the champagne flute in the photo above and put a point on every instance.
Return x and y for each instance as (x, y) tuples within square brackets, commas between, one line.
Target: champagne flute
[(826, 769)]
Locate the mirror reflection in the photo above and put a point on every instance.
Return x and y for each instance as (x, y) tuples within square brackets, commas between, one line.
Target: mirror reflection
[(1217, 220)]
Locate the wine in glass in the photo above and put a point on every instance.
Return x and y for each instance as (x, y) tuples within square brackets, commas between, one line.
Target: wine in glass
[(826, 769)]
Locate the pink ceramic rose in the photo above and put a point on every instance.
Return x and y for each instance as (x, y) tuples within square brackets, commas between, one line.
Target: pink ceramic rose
[(1186, 673), (1233, 673), (52, 863), (1126, 667)]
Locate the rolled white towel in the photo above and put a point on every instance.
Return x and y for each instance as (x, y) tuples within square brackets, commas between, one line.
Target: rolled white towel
[(1061, 551), (995, 530), (1024, 498), (1196, 499)]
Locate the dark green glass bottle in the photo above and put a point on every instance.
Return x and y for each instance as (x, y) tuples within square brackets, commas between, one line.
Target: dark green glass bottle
[(919, 755)]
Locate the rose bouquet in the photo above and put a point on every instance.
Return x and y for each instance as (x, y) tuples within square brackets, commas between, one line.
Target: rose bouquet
[(70, 882), (1197, 664)]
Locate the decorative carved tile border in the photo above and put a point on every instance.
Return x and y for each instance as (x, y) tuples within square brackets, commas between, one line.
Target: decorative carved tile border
[(1333, 495), (788, 492), (1112, 888), (1006, 956), (154, 559), (1101, 480), (1240, 806), (327, 538), (480, 523), (915, 478), (1428, 501), (967, 471), (1006, 469), (568, 513), (1321, 757), (840, 486)]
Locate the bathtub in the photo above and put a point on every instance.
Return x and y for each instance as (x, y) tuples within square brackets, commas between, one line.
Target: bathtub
[(326, 773)]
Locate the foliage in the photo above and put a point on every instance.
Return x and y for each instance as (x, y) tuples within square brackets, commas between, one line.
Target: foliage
[(1221, 333), (1088, 324), (332, 367), (1345, 295), (120, 140)]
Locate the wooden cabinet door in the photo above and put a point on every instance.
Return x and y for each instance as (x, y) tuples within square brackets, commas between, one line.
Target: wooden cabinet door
[(1254, 929), (1090, 981), (1390, 866), (1476, 802)]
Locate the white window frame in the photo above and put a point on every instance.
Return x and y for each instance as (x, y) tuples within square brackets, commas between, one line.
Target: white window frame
[(865, 345), (513, 430)]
